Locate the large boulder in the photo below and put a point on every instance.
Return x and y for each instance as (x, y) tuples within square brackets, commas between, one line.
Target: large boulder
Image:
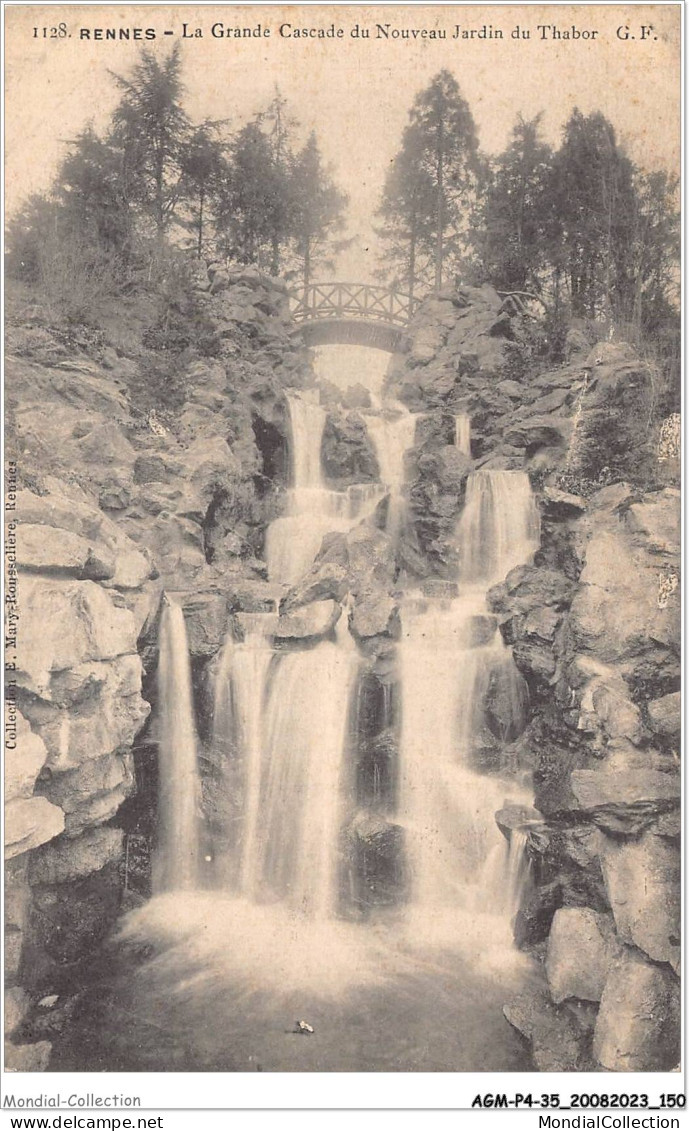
[(637, 1029), (308, 622), (643, 883), (68, 623), (580, 952), (30, 822), (347, 453), (68, 859)]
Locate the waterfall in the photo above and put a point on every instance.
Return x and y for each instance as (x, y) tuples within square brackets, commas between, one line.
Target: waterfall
[(239, 703), (516, 871), (450, 652), (294, 816), (176, 858), (308, 421), (447, 806), (392, 434), (313, 510), (282, 724), (463, 434), (499, 526)]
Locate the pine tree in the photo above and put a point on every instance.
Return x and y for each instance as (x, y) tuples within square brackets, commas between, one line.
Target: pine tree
[(511, 237), (441, 164), (151, 129), (591, 203), (203, 173), (252, 196), (405, 210), (317, 208)]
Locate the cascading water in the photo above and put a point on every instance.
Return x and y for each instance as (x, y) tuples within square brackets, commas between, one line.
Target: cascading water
[(239, 702), (281, 727), (292, 848), (176, 859), (392, 434), (313, 510), (463, 433), (499, 526), (450, 651)]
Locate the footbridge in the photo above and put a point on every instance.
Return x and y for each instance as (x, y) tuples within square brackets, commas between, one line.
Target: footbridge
[(362, 314), (352, 314)]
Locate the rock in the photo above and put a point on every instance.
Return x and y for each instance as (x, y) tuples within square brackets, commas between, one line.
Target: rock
[(512, 389), (29, 822), (642, 879), (559, 506), (106, 444), (655, 521), (531, 587), (75, 622), (506, 701), (374, 855), (356, 396), (27, 1058), (45, 549), (89, 711), (440, 590), (308, 622), (580, 953), (206, 619), (375, 613), (254, 596), (24, 761), (594, 789), (132, 570), (557, 1042), (539, 431), (665, 715), (347, 453), (17, 1005), (68, 859), (637, 1029)]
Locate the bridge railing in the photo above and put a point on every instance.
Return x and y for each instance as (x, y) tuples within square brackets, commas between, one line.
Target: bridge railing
[(352, 300), (373, 303)]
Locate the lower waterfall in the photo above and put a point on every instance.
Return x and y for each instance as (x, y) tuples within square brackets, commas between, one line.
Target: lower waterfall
[(176, 859), (291, 851), (448, 806)]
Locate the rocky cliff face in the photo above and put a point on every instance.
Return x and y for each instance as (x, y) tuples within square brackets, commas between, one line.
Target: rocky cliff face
[(594, 628), (116, 502)]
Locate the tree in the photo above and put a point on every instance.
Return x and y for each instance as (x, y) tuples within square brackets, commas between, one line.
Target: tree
[(450, 155), (203, 172), (592, 203), (278, 124), (93, 193), (151, 129), (406, 209), (317, 210), (253, 197), (511, 239)]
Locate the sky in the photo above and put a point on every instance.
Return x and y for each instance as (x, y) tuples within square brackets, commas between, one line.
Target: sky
[(355, 92)]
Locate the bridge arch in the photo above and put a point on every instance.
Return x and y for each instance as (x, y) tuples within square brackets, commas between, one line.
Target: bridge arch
[(352, 314)]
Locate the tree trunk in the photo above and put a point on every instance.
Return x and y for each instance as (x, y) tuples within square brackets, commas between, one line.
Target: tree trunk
[(411, 280), (439, 209), (199, 246)]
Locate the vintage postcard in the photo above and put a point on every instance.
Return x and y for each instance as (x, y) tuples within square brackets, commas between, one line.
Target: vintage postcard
[(342, 553)]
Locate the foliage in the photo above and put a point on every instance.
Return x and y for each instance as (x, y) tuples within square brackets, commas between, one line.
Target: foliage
[(317, 208), (433, 187), (150, 130), (511, 236)]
